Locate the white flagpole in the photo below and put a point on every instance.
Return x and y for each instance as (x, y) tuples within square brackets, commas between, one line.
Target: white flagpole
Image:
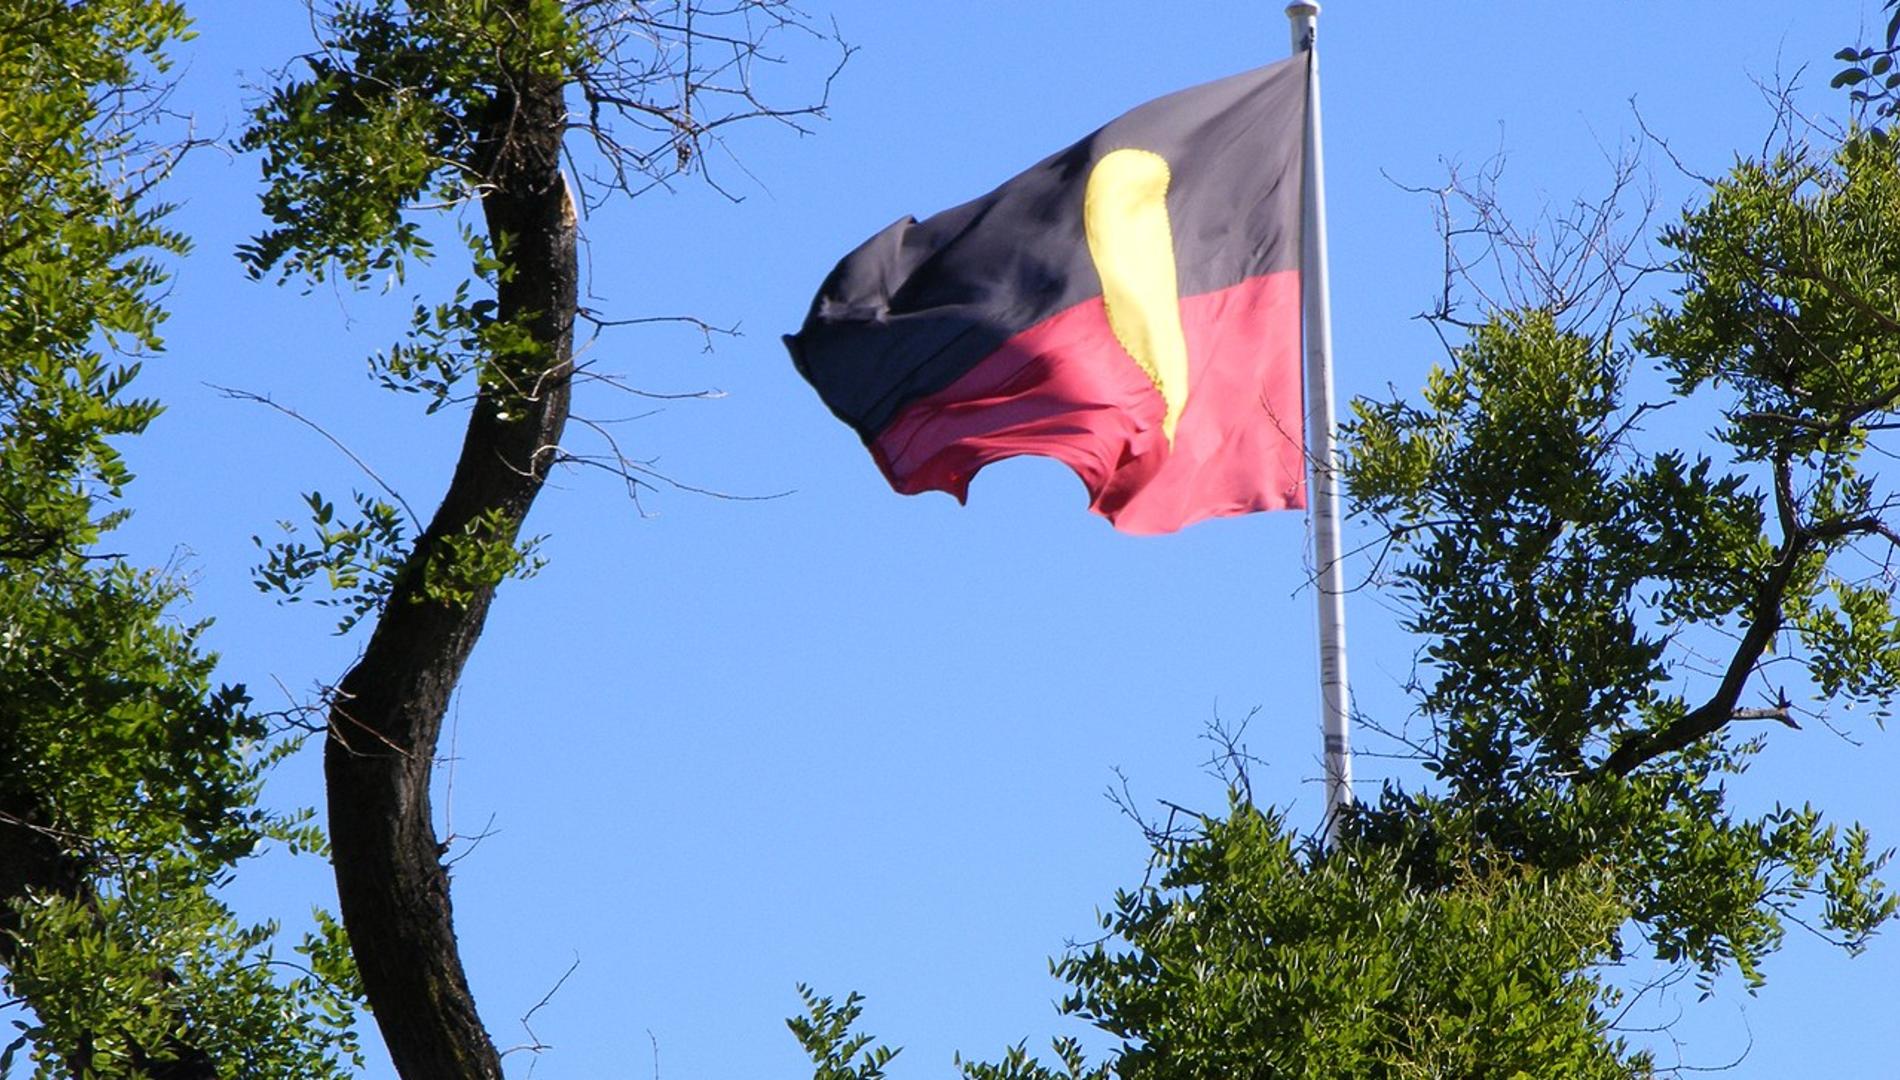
[(1335, 701)]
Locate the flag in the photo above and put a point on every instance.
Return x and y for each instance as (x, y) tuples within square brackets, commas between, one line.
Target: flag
[(1129, 306)]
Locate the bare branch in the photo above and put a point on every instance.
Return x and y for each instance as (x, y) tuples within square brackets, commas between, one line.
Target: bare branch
[(262, 399), (535, 1044)]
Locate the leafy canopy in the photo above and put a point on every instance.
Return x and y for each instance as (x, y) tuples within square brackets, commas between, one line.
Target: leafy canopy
[(1250, 954), (128, 779)]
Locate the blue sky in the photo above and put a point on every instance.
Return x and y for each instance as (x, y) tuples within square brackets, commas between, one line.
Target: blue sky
[(859, 740)]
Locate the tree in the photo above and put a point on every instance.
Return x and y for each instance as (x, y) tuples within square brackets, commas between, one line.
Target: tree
[(464, 103), (1531, 507), (126, 791), (1251, 957), (1247, 952)]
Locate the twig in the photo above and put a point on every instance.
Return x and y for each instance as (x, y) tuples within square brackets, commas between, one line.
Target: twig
[(262, 399)]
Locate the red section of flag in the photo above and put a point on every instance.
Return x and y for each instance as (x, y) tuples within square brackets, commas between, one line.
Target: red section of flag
[(1066, 389)]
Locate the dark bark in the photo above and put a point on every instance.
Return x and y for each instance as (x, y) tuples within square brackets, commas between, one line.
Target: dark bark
[(31, 861), (1716, 713), (387, 714), (1765, 621)]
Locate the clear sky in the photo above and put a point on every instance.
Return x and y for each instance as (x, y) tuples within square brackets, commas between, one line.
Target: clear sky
[(859, 740)]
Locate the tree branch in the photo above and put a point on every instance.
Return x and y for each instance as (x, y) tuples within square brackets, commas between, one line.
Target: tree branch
[(1764, 623)]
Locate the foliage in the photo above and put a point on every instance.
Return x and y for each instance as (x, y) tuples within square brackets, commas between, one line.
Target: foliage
[(358, 560), (401, 92), (479, 557), (1668, 591), (825, 1033), (1247, 959), (406, 89), (408, 108), (1250, 954), (166, 947), (1528, 515), (1870, 75), (445, 342), (77, 261), (128, 781)]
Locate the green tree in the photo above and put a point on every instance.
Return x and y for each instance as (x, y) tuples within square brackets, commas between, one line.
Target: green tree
[(1250, 957), (1246, 952), (128, 779), (1675, 595), (453, 105)]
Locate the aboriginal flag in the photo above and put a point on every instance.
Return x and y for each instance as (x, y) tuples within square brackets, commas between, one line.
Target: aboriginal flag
[(1129, 306)]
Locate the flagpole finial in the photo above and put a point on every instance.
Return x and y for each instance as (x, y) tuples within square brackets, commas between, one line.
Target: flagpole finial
[(1304, 16)]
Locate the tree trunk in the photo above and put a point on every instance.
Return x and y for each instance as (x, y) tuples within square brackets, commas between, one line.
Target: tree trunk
[(387, 712)]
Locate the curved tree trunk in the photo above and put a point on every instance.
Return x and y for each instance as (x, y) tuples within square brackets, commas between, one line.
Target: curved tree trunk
[(387, 713)]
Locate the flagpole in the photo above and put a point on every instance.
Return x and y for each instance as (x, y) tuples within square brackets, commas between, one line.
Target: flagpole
[(1335, 702)]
